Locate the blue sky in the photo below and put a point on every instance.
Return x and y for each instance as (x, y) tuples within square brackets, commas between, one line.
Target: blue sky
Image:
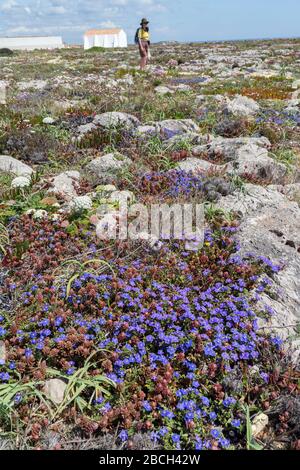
[(182, 20)]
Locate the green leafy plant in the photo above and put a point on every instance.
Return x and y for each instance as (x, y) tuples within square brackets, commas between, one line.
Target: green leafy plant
[(9, 391), (285, 156), (95, 49), (80, 383), (81, 270), (252, 444), (166, 164), (238, 183)]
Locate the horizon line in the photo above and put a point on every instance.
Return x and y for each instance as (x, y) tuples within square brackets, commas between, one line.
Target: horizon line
[(200, 41)]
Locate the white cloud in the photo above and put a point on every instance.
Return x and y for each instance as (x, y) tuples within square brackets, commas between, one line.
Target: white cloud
[(73, 17), (8, 5), (107, 24), (58, 10), (120, 2)]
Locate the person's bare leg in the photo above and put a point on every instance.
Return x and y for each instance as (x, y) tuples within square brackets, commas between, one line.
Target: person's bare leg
[(143, 60), (146, 56)]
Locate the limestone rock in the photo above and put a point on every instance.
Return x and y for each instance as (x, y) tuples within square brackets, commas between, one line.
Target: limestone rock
[(35, 84), (254, 200), (114, 119), (48, 120), (86, 128), (55, 390), (146, 130), (171, 127), (259, 423), (228, 147), (243, 106), (291, 191), (220, 100), (196, 165), (254, 160), (183, 88), (270, 227), (2, 351), (106, 228), (245, 155), (102, 167), (14, 167), (163, 90), (190, 138), (66, 184)]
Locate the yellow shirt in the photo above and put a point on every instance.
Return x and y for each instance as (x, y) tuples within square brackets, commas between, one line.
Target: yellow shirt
[(144, 35)]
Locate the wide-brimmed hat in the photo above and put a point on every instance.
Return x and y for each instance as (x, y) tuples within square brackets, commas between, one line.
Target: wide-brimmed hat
[(144, 21)]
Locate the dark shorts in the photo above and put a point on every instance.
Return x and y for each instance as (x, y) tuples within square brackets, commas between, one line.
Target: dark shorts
[(144, 51)]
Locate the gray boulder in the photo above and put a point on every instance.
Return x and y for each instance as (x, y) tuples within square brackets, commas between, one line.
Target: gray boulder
[(189, 138), (245, 155), (254, 160), (66, 184), (146, 130), (49, 120), (86, 128), (270, 227), (171, 127), (242, 106), (291, 191), (163, 90), (196, 165), (253, 199), (114, 119), (14, 167), (55, 390), (228, 147), (183, 88), (102, 168)]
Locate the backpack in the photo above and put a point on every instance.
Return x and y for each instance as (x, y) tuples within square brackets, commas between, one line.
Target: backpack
[(136, 37)]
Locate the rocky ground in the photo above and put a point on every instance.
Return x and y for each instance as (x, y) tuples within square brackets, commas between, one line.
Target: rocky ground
[(144, 344)]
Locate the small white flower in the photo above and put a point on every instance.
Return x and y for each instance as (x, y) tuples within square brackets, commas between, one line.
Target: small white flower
[(20, 182), (30, 212), (81, 203), (106, 188), (40, 214)]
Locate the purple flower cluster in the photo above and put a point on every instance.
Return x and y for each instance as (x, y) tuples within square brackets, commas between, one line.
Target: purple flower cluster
[(280, 118), (175, 183)]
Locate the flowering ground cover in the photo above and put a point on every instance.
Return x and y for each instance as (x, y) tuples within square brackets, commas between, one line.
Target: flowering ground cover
[(175, 334), (147, 348)]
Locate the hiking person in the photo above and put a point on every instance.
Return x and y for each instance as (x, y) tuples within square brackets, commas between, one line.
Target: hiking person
[(142, 38)]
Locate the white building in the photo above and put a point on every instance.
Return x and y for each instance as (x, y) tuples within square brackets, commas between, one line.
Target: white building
[(115, 37), (30, 43)]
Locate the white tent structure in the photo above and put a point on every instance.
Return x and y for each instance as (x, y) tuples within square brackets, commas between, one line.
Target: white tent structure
[(115, 37), (29, 43)]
